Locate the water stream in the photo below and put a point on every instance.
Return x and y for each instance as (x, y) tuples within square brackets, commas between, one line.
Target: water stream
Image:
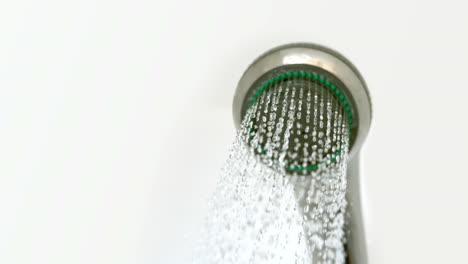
[(281, 194)]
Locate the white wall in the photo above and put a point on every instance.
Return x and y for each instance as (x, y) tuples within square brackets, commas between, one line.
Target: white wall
[(115, 117)]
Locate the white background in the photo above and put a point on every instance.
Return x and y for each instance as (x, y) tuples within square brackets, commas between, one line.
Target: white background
[(115, 118)]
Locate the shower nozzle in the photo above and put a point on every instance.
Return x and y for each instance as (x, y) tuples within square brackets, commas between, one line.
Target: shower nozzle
[(285, 74), (309, 63)]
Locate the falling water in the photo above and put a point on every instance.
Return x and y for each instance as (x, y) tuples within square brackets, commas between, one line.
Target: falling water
[(281, 194)]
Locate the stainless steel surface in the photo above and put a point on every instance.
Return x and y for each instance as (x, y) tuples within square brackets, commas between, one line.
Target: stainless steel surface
[(356, 239), (334, 63)]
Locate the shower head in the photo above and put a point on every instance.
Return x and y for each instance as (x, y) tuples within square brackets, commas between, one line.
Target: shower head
[(336, 86), (309, 63)]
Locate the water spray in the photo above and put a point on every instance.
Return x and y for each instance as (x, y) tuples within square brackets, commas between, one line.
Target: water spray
[(328, 101)]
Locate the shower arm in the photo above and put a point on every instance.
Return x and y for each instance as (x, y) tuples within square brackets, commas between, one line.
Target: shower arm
[(356, 239)]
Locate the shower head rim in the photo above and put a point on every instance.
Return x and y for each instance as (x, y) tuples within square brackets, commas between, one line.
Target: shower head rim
[(316, 56)]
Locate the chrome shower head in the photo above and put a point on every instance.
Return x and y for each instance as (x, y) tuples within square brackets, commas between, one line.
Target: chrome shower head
[(309, 63), (312, 67)]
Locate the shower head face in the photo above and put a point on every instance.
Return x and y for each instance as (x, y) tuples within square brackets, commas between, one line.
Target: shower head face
[(299, 118), (324, 89), (324, 72)]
